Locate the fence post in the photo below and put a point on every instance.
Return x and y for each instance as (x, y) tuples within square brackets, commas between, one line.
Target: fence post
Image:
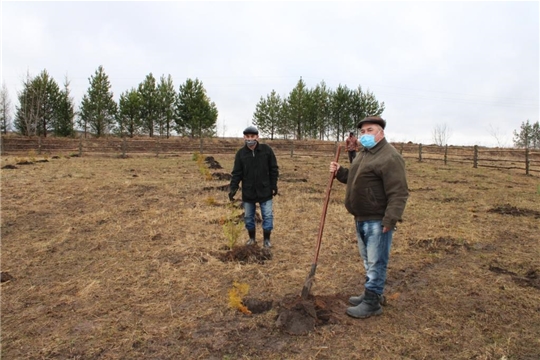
[(157, 146), (124, 146), (445, 153), (527, 161), (420, 152), (401, 149), (475, 157), (39, 145), (201, 146), (80, 146)]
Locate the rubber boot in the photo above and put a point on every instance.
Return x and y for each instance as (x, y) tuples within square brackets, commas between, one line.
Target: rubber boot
[(267, 243), (356, 300), (368, 307), (251, 240)]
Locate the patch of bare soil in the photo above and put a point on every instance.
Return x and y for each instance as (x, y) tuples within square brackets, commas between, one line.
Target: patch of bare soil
[(221, 176), (292, 178), (531, 278), (5, 276), (257, 306), (298, 316), (219, 188), (508, 209), (247, 254)]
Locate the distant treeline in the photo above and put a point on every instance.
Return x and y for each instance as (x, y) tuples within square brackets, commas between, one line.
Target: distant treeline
[(155, 108)]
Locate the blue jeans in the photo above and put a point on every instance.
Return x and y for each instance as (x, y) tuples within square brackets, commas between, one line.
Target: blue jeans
[(266, 213), (374, 247)]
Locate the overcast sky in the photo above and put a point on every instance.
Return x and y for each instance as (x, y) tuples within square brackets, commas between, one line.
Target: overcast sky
[(470, 66)]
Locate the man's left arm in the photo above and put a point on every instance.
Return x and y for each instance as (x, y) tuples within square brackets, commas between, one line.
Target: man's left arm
[(396, 189), (273, 171)]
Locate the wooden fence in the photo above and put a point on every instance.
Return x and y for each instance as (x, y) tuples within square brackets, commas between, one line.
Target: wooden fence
[(526, 160)]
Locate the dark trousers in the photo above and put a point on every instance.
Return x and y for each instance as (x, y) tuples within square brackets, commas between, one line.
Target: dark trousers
[(352, 155)]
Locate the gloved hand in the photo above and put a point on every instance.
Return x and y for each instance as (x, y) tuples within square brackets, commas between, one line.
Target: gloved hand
[(274, 191), (231, 194)]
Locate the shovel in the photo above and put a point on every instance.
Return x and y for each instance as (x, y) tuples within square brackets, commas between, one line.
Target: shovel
[(309, 279)]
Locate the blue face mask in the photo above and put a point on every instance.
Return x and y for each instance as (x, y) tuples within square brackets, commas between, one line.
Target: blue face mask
[(251, 143), (368, 141)]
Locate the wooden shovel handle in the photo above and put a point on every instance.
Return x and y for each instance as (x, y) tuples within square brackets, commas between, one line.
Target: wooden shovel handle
[(325, 207)]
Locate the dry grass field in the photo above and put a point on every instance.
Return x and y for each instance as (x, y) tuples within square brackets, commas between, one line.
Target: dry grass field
[(110, 258)]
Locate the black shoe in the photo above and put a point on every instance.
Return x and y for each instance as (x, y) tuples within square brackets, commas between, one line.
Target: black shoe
[(267, 243)]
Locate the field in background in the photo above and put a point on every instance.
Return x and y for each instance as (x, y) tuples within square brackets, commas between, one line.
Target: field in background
[(111, 258)]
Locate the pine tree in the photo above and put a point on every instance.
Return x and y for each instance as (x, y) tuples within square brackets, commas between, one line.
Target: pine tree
[(195, 114), (37, 105), (268, 114), (65, 113), (321, 102), (364, 104), (149, 98), (340, 105), (296, 110), (167, 97), (5, 110), (529, 135), (129, 113), (98, 108)]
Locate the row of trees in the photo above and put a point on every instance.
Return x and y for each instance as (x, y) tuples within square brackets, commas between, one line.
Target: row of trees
[(152, 108), (155, 108), (317, 113), (528, 136)]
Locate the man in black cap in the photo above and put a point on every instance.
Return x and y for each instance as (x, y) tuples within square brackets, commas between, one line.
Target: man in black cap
[(376, 196), (255, 165)]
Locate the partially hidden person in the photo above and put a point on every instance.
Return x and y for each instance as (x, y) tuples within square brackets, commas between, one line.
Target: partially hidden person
[(376, 195), (351, 143), (256, 167)]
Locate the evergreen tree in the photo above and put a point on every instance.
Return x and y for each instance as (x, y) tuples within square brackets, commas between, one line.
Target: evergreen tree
[(296, 110), (268, 114), (37, 105), (65, 113), (340, 105), (167, 98), (149, 98), (364, 104), (98, 108), (129, 114), (321, 101), (529, 135), (195, 114), (5, 110)]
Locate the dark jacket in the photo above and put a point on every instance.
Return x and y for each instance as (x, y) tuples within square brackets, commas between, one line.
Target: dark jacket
[(257, 170), (376, 185)]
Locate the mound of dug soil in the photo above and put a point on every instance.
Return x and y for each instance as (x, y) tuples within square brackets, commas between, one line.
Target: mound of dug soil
[(508, 209), (247, 254), (298, 316)]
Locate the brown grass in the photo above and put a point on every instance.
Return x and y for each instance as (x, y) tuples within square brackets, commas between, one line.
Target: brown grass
[(120, 259)]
